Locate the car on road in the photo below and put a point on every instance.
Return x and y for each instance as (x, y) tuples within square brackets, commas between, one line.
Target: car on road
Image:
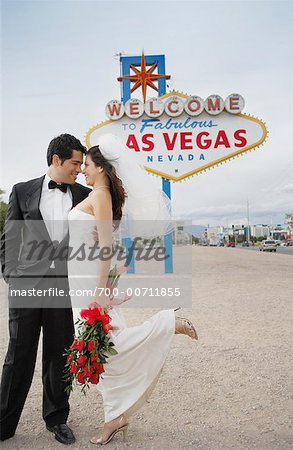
[(268, 246), (231, 244), (245, 244)]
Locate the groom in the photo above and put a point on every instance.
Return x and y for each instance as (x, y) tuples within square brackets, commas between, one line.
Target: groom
[(38, 211)]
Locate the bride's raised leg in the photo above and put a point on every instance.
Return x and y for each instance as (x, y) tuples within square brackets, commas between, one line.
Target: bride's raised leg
[(185, 326), (120, 424)]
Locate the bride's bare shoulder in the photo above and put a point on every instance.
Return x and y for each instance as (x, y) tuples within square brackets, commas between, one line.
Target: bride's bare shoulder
[(100, 195)]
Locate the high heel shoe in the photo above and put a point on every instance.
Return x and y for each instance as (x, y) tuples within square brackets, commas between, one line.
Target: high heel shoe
[(185, 327), (99, 440)]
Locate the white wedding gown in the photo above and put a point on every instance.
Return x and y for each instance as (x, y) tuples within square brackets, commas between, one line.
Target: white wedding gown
[(131, 375)]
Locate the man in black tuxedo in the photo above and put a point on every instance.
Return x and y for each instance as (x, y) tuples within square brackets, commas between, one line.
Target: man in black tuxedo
[(38, 211)]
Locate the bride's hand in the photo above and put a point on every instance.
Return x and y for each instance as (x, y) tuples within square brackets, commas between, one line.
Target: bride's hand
[(115, 301)]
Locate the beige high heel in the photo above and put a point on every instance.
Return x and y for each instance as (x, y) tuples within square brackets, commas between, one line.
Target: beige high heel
[(186, 327), (99, 440)]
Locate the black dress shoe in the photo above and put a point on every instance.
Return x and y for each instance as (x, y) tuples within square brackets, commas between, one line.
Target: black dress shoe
[(62, 433)]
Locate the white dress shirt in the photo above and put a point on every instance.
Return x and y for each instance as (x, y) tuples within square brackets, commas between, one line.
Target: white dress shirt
[(54, 207)]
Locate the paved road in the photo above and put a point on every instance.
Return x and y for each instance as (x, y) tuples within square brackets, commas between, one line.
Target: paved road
[(282, 250), (230, 390)]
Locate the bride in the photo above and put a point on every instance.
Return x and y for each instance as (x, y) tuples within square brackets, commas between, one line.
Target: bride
[(131, 375)]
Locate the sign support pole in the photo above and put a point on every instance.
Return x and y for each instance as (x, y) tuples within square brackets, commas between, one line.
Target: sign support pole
[(166, 186), (125, 95), (125, 62)]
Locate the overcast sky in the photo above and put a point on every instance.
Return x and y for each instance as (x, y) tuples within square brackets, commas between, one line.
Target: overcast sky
[(60, 70)]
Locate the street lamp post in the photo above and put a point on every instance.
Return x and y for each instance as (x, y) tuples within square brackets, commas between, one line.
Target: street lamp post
[(248, 230)]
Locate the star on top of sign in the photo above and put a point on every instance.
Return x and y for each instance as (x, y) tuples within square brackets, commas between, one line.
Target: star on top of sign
[(143, 77)]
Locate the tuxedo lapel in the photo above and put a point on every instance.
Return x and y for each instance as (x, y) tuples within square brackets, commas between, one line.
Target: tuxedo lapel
[(33, 206), (33, 198), (78, 194)]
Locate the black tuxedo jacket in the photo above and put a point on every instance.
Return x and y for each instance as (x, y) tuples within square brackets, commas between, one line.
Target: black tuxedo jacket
[(26, 248)]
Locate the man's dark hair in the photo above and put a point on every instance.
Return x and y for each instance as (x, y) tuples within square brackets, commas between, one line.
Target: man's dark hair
[(63, 146)]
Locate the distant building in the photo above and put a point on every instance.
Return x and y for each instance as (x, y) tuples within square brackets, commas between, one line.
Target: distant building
[(279, 233), (289, 221), (259, 231), (182, 233), (214, 235), (238, 231)]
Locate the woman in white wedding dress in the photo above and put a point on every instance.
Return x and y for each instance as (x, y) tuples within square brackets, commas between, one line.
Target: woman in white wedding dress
[(131, 375)]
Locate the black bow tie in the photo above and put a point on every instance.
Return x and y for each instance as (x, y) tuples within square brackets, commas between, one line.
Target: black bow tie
[(52, 185)]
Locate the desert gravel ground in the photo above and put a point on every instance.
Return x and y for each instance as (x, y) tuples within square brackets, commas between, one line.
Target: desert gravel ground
[(230, 390)]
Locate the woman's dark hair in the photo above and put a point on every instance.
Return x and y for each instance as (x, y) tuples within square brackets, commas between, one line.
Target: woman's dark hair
[(116, 187), (63, 146)]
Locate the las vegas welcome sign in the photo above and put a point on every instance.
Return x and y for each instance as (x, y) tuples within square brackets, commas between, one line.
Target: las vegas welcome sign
[(176, 136)]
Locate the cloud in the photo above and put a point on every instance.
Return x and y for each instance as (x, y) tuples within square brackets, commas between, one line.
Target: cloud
[(286, 189)]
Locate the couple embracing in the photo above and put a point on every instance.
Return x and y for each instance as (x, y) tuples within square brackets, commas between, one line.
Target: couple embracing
[(55, 202)]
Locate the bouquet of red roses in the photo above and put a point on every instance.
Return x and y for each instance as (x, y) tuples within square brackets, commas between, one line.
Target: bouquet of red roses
[(92, 344), (90, 349)]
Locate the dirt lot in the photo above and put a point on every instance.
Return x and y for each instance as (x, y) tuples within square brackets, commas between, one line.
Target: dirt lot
[(230, 390)]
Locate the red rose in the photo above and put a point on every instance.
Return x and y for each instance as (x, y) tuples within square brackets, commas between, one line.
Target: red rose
[(105, 318), (99, 368), (92, 316), (95, 358), (81, 360), (81, 377), (79, 345), (74, 368), (69, 358), (107, 328), (94, 378), (88, 371), (91, 346)]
